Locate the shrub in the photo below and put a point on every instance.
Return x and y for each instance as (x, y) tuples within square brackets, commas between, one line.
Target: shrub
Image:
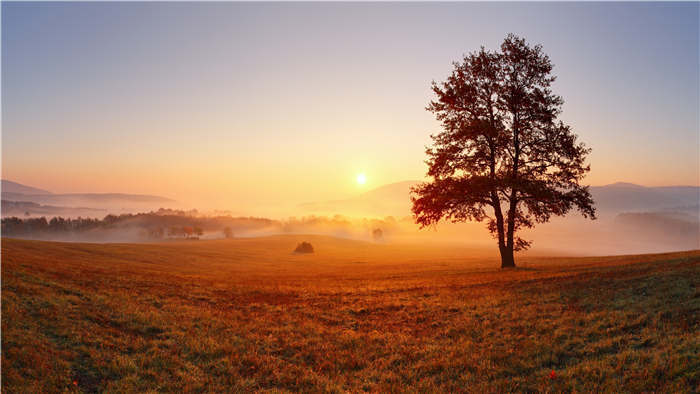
[(304, 247)]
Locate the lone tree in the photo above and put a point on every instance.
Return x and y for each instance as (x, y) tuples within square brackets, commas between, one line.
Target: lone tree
[(503, 156)]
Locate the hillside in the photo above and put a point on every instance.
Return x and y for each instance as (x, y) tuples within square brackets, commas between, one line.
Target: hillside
[(249, 315), (76, 204), (32, 209), (14, 187), (388, 200), (91, 199), (626, 197), (394, 199)]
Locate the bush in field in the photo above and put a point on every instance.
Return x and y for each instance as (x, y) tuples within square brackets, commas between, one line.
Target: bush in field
[(378, 234), (304, 247)]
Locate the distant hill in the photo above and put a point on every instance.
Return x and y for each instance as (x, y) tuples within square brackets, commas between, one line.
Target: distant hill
[(14, 187), (31, 209), (97, 203), (388, 200), (85, 198), (394, 200), (628, 197)]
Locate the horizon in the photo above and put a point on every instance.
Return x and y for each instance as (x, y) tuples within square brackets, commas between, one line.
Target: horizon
[(198, 103), (352, 195)]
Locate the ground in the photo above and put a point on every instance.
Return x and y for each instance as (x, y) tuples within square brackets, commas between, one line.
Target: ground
[(250, 315)]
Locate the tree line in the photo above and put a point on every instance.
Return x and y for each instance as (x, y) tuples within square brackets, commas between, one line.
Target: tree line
[(152, 225)]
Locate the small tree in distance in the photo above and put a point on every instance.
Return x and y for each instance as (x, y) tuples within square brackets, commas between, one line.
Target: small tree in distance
[(502, 155), (188, 231), (228, 233), (175, 232)]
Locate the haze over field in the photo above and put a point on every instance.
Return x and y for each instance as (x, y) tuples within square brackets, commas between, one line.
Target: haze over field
[(632, 219)]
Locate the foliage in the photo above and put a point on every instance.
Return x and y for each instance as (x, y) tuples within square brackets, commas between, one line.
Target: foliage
[(152, 225), (304, 247), (502, 156), (183, 224)]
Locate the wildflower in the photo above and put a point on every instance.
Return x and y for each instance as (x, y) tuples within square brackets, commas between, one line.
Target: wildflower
[(75, 383), (552, 375)]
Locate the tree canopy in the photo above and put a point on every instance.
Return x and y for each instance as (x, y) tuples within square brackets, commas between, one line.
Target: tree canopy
[(503, 156)]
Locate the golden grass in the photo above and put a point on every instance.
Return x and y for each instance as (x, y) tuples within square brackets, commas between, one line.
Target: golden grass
[(249, 315)]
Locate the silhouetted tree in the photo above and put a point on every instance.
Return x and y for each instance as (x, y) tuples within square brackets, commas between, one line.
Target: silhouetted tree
[(188, 231), (154, 225), (502, 156), (110, 220)]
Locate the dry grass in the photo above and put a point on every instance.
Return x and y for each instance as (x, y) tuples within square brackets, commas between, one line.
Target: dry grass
[(248, 315)]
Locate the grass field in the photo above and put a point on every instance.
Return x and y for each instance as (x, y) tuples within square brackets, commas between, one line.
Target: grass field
[(248, 315)]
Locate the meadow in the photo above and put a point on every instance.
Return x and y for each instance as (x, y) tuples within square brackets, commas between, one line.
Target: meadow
[(248, 315)]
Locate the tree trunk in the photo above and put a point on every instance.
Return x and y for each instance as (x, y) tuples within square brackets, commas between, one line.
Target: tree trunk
[(507, 258)]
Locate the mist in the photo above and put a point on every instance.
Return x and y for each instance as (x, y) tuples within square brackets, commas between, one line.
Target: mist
[(623, 234), (631, 219)]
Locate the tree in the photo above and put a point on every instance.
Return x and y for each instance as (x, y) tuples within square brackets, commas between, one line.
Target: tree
[(228, 233), (378, 234), (503, 156), (188, 231), (175, 231), (156, 233)]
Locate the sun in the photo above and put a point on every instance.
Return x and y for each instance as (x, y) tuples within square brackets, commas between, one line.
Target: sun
[(361, 179)]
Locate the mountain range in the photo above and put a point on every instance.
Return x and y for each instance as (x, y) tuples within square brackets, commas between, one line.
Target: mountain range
[(19, 199), (387, 200), (394, 200), (14, 187)]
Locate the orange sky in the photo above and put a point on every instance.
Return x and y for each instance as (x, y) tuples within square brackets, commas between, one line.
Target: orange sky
[(198, 103)]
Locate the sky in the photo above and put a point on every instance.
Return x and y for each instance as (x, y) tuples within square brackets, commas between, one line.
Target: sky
[(244, 105)]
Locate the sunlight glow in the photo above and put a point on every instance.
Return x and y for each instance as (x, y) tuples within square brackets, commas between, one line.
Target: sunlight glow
[(361, 179)]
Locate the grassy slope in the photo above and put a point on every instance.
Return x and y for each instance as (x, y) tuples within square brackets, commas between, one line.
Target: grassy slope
[(248, 315)]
